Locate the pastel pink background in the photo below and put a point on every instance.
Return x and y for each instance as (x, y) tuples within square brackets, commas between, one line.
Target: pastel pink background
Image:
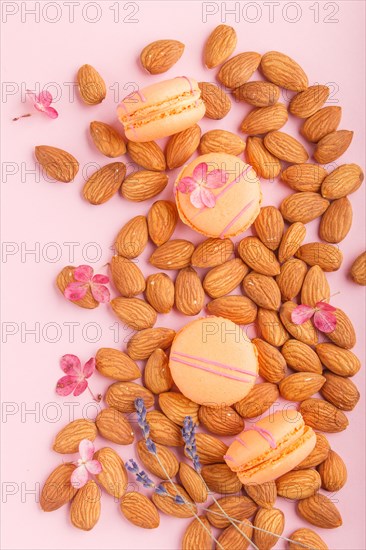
[(37, 211)]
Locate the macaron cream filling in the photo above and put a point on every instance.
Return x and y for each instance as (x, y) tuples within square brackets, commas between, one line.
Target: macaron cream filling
[(151, 113)]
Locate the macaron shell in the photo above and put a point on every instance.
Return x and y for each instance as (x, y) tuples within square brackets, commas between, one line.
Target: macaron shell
[(285, 462), (237, 204), (170, 106), (197, 352)]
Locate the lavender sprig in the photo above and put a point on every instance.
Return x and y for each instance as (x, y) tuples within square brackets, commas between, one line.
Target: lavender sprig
[(144, 425)]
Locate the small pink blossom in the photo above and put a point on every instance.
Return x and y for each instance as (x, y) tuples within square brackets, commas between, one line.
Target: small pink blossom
[(75, 380), (323, 316), (42, 102), (85, 465), (84, 280), (199, 184)]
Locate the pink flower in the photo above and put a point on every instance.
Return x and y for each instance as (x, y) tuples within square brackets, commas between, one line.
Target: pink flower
[(42, 102), (75, 380), (199, 185), (85, 280), (324, 318), (85, 465)]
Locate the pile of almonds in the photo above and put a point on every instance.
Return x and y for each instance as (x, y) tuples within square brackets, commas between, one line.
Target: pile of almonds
[(274, 269)]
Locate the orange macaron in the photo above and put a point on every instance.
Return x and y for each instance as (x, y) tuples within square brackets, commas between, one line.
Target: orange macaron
[(271, 447), (161, 109), (213, 362), (218, 195)]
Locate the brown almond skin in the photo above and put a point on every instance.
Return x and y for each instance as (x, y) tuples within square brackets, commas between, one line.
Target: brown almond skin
[(220, 479), (114, 426), (107, 140), (151, 463), (177, 406), (255, 254), (143, 185), (272, 365), (212, 252), (260, 398), (325, 255), (64, 278), (121, 396), (301, 385), (265, 119), (323, 416), (301, 357), (158, 57), (269, 226), (57, 163), (263, 494), (57, 489), (221, 141), (336, 222), (258, 93), (315, 287), (320, 511), (264, 163), (306, 537), (189, 293), (157, 376), (104, 183), (134, 312), (148, 155), (317, 455), (237, 507), (219, 46), (85, 507), (197, 535), (283, 71), (143, 343), (291, 278), (68, 438), (305, 177), (127, 277), (238, 69), (170, 507), (232, 538), (285, 147), (216, 101), (271, 520), (117, 365), (160, 292), (210, 449), (192, 483), (139, 510), (320, 124), (113, 477), (161, 220), (91, 85), (307, 103), (332, 146), (221, 420), (163, 430), (344, 180), (291, 241), (333, 472), (222, 279), (358, 270), (306, 332), (181, 146), (271, 328), (263, 290), (303, 207), (340, 391), (338, 360), (132, 239), (174, 254), (344, 334), (239, 309)]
